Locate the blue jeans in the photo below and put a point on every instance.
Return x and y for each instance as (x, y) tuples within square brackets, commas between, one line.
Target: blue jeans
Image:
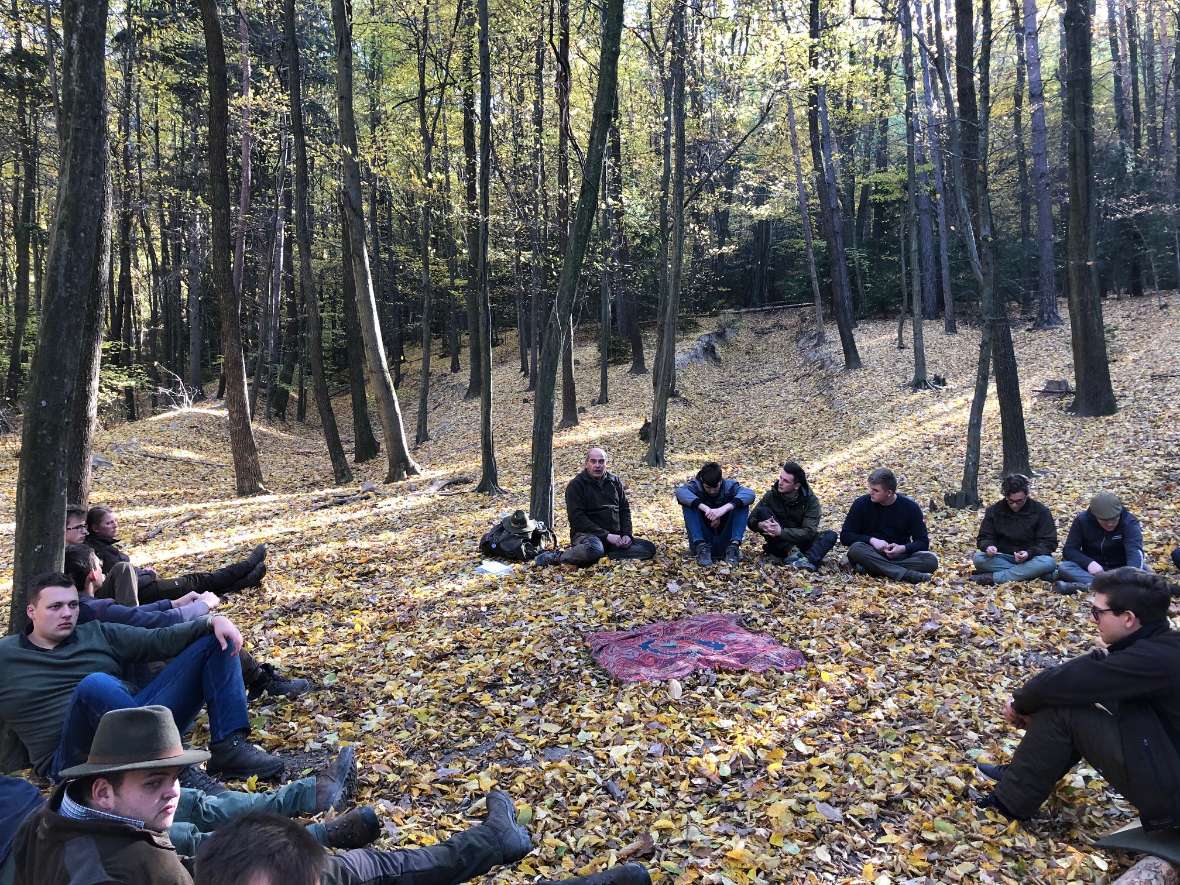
[(201, 675), (198, 814), (731, 530), (1070, 571), (1004, 568)]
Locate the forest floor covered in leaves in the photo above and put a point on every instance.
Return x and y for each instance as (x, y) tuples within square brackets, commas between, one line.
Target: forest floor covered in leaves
[(857, 768)]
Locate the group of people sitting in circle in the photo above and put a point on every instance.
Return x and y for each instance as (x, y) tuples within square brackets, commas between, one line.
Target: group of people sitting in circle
[(112, 669), (884, 531), (116, 663)]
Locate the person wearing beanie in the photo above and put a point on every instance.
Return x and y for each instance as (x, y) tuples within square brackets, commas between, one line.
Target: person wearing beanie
[(1103, 537)]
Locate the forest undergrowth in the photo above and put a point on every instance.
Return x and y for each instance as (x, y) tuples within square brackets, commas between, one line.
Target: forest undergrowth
[(858, 768)]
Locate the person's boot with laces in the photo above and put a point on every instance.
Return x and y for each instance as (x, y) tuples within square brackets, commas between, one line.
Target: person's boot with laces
[(269, 681), (235, 757), (353, 829), (733, 554), (626, 874), (193, 777), (703, 553), (335, 785), (514, 839)]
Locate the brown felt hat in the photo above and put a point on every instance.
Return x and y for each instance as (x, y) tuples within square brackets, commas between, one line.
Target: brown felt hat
[(1106, 505), (135, 738)]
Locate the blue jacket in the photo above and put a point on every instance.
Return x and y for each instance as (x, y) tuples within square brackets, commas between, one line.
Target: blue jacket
[(692, 494), (150, 615), (1088, 543)]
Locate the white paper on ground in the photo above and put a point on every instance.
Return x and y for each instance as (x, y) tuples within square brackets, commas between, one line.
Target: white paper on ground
[(491, 567)]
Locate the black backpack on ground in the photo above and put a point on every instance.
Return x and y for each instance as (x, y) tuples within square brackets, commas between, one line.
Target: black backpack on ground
[(516, 538)]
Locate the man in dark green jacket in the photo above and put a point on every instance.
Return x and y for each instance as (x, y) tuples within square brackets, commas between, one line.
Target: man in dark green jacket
[(787, 518), (1118, 708), (599, 517), (61, 676), (1017, 537)]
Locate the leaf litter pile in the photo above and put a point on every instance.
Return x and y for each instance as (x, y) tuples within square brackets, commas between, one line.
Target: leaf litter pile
[(857, 768)]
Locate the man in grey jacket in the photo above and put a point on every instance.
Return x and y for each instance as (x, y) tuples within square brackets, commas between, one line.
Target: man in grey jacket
[(715, 511)]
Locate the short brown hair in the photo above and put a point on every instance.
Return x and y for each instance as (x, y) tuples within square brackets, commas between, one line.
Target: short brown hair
[(260, 842), (1130, 589), (96, 514), (46, 579), (883, 476)]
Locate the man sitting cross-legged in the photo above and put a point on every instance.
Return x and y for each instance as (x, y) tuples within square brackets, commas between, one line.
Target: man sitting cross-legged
[(787, 518), (102, 528), (61, 676), (1017, 538), (81, 564), (114, 820), (886, 534), (599, 517), (1117, 708), (715, 511), (1104, 536)]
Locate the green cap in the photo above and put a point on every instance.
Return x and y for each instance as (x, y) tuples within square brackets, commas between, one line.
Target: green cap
[(1106, 505)]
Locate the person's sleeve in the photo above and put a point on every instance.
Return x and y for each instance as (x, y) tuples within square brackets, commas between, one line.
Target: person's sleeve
[(1133, 542), (853, 529), (1046, 540), (150, 617), (686, 497), (1073, 544), (742, 496), (987, 530), (1129, 675), (624, 511), (758, 514), (191, 611), (575, 511), (805, 533), (140, 644), (918, 534)]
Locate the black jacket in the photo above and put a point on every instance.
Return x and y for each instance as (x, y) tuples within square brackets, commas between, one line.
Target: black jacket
[(1088, 542), (109, 554), (597, 506), (1138, 681), (1030, 528)]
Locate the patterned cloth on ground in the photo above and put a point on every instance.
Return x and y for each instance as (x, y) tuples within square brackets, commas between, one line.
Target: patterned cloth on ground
[(670, 649)]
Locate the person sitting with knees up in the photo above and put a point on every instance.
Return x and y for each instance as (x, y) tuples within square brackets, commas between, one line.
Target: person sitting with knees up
[(1017, 538), (886, 534), (1117, 707), (787, 518), (715, 511)]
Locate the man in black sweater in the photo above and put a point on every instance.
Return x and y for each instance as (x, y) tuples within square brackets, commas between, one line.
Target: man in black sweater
[(885, 533), (1118, 708), (599, 517)]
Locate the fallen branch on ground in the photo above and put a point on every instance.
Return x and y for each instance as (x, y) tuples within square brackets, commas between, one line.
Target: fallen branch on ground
[(147, 536)]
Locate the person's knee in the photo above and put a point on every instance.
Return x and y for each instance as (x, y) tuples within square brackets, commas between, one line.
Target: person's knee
[(981, 560), (860, 551), (97, 685), (1042, 565)]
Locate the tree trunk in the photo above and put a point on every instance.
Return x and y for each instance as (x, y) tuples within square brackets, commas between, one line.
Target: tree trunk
[(569, 390), (604, 290), (364, 443), (195, 321), (341, 472), (805, 216), (920, 226), (1095, 395), (626, 301), (539, 297), (247, 163), (24, 222), (77, 265), (247, 469), (666, 366), (1047, 313), (470, 197), (422, 430), (401, 464), (541, 493), (1027, 277)]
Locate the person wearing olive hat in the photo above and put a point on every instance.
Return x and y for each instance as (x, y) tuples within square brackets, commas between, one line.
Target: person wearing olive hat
[(1103, 537)]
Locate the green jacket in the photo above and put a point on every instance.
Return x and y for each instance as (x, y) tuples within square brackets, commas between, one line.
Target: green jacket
[(38, 683), (798, 519)]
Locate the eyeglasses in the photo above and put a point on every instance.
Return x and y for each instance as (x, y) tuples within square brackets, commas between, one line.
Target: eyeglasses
[(76, 528), (1096, 613)]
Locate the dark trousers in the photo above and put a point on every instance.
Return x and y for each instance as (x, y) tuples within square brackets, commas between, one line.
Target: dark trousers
[(876, 563), (1056, 740), (201, 675), (218, 581), (1176, 557), (731, 530), (588, 549), (459, 859), (815, 552)]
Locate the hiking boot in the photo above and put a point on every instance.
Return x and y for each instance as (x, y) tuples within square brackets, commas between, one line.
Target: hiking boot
[(985, 578), (802, 562), (335, 785), (193, 777), (256, 555), (547, 557), (514, 839), (235, 757), (912, 577), (253, 579), (991, 772), (353, 829), (627, 874), (733, 554), (1068, 588), (704, 554), (269, 681)]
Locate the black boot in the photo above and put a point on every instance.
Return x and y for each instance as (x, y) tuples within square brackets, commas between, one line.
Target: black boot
[(252, 579), (230, 577), (354, 829), (626, 874), (236, 757), (514, 839), (336, 785), (820, 547), (266, 680), (193, 777)]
